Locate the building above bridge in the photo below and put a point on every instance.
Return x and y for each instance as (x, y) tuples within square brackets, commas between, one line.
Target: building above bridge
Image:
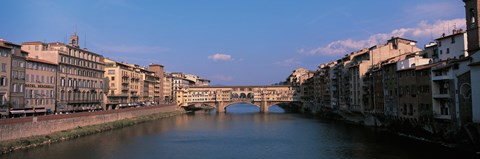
[(228, 94)]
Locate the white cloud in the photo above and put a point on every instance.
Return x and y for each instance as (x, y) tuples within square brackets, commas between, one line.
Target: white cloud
[(288, 62), (220, 57), (424, 29), (222, 78)]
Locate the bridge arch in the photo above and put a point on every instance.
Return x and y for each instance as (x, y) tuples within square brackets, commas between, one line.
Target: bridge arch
[(239, 102), (233, 103), (234, 95), (250, 96), (243, 95)]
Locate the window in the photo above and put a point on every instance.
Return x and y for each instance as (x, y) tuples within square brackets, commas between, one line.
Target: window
[(14, 63), (410, 110), (3, 81), (14, 87), (113, 78), (472, 16), (4, 67), (448, 50), (407, 89), (453, 39), (4, 53), (110, 72), (29, 93)]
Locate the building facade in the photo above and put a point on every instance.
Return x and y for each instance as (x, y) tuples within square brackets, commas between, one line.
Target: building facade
[(159, 71), (40, 86), (122, 91), (167, 88), (7, 49), (80, 79)]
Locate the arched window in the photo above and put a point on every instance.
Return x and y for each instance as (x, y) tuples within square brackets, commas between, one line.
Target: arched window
[(69, 95), (62, 95)]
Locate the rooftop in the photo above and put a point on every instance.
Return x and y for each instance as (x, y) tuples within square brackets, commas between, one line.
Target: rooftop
[(40, 61)]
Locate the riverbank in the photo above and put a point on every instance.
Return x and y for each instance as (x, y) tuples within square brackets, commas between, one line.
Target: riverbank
[(30, 142), (425, 131)]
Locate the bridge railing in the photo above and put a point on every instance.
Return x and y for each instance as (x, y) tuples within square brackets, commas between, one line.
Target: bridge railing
[(242, 99)]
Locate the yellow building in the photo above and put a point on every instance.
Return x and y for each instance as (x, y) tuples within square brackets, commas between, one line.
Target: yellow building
[(130, 85), (120, 76)]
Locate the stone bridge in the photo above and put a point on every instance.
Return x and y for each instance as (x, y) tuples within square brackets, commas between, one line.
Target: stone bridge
[(223, 96)]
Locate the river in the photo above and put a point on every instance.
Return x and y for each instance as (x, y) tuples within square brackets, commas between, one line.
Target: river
[(242, 132)]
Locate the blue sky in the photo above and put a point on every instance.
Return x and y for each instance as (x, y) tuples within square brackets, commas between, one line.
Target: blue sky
[(247, 42)]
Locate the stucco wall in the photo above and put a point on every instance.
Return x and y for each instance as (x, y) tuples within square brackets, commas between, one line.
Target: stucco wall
[(26, 127)]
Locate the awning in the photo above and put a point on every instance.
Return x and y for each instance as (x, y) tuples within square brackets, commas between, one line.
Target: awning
[(29, 111), (40, 110), (17, 111)]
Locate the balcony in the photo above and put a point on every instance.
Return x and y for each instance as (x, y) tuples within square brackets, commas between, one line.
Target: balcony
[(445, 117), (441, 77), (124, 88), (441, 96), (83, 101), (117, 95)]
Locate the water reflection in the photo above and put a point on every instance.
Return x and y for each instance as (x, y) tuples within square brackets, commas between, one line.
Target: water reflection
[(250, 108), (242, 132)]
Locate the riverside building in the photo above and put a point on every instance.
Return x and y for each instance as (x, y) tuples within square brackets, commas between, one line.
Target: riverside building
[(12, 79), (80, 79), (40, 86)]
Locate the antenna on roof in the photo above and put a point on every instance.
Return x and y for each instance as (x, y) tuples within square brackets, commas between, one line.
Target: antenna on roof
[(448, 28), (443, 29), (431, 34)]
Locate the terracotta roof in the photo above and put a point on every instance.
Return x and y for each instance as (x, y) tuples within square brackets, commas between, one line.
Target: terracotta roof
[(426, 66), (40, 61), (34, 42), (156, 65), (446, 36), (9, 43), (7, 47)]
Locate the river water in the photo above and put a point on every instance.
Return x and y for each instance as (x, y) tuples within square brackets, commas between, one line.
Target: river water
[(242, 132)]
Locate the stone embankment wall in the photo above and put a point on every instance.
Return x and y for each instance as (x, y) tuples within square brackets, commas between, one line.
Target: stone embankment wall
[(42, 125)]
